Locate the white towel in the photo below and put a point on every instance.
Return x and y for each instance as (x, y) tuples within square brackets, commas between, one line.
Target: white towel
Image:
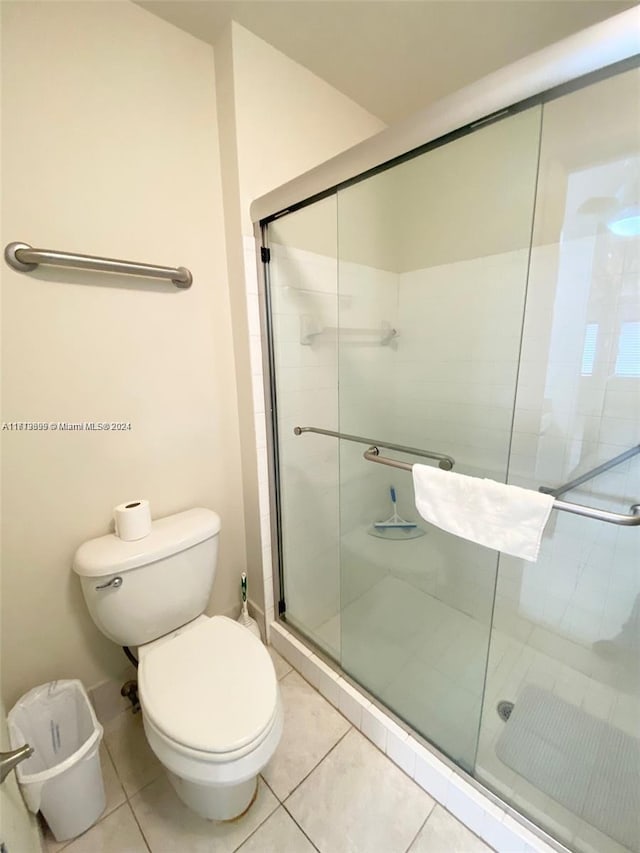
[(506, 518)]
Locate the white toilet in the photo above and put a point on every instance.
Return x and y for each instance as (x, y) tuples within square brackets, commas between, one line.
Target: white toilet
[(210, 700)]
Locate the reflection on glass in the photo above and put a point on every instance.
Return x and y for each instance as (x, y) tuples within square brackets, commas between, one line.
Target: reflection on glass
[(399, 311), (436, 248), (565, 645), (589, 349), (628, 358), (303, 289)]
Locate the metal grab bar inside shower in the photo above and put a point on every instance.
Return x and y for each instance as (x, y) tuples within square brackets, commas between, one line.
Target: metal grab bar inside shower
[(24, 258), (445, 462), (633, 520)]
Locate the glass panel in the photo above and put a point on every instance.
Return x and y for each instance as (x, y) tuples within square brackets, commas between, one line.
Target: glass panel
[(565, 644), (433, 258), (303, 287)]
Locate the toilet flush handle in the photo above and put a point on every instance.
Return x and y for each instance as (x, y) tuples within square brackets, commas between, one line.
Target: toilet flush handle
[(114, 583)]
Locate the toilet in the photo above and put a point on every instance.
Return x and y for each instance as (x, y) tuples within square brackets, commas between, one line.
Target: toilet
[(210, 700)]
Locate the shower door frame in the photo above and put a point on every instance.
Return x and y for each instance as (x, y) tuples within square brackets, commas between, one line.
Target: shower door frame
[(604, 50), (601, 51)]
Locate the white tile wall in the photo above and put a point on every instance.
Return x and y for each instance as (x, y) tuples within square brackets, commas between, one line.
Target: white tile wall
[(457, 359)]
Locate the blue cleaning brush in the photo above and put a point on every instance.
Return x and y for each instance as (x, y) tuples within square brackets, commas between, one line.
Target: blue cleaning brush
[(394, 520)]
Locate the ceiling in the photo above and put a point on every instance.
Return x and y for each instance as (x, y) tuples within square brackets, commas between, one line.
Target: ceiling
[(394, 57)]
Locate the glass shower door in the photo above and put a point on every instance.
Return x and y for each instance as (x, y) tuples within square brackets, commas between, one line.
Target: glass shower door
[(432, 272), (303, 303), (565, 646), (427, 306)]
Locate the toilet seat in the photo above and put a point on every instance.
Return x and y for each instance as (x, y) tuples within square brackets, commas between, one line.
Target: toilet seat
[(210, 691)]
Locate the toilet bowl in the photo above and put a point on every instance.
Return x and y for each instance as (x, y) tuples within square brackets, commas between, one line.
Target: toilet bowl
[(207, 687), (212, 713)]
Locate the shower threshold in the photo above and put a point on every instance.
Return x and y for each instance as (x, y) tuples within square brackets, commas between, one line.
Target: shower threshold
[(482, 811)]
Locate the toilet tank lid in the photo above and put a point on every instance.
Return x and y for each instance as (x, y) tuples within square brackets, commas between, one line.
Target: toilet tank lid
[(169, 535)]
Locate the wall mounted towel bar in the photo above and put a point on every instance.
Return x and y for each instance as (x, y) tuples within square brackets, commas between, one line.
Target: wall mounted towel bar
[(24, 258), (444, 461), (633, 520)]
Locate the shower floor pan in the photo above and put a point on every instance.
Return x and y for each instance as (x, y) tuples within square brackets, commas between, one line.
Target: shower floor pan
[(587, 765)]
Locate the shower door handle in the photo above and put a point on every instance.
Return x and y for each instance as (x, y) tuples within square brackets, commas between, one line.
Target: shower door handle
[(633, 520), (445, 461)]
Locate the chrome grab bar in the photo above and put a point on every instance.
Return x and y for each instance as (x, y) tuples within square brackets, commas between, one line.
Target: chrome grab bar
[(633, 520), (589, 475), (23, 257), (445, 462)]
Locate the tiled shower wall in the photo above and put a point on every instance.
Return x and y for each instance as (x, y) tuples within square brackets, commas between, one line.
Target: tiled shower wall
[(571, 416), (446, 382)]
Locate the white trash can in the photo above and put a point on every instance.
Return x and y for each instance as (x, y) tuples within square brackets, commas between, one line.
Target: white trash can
[(63, 777)]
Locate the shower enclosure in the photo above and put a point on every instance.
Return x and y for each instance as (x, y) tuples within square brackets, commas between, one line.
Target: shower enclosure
[(476, 303)]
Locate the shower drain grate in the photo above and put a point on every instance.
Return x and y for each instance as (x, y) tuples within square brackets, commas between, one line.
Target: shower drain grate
[(504, 710)]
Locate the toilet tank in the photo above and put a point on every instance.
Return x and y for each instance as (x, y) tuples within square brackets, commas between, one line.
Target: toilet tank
[(139, 591)]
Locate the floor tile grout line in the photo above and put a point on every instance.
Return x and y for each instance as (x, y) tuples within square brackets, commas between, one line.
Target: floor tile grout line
[(259, 826), (146, 784), (282, 804), (115, 768), (270, 788), (315, 767), (475, 834), (422, 825), (306, 834), (139, 825)]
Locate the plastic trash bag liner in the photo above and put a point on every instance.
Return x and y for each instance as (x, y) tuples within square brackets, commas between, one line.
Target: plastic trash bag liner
[(58, 721)]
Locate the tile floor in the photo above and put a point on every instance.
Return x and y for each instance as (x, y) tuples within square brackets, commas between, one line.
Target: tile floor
[(327, 789)]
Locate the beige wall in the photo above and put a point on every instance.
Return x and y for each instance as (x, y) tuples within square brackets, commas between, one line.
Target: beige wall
[(121, 159), (109, 147), (287, 119), (276, 120), (225, 98)]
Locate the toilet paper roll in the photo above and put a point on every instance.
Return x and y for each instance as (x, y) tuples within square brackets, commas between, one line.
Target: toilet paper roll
[(132, 520)]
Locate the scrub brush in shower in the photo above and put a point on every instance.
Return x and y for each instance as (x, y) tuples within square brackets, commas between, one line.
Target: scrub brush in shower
[(244, 618), (395, 527)]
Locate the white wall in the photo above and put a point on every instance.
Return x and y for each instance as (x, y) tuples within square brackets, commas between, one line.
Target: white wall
[(109, 147)]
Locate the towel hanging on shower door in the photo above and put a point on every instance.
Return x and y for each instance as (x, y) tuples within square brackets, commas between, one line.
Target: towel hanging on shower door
[(507, 518)]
